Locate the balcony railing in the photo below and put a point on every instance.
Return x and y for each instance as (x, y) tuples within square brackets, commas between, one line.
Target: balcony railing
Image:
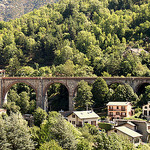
[(116, 115), (117, 109), (123, 116)]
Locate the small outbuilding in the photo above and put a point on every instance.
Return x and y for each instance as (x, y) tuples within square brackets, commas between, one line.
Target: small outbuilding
[(132, 135)]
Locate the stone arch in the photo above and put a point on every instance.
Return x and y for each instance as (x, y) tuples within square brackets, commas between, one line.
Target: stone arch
[(45, 96), (7, 88), (141, 87), (73, 94), (76, 87), (50, 83)]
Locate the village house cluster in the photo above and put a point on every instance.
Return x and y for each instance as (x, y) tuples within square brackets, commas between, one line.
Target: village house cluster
[(137, 131)]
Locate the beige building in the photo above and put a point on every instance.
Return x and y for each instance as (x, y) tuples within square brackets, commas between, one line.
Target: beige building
[(146, 110), (140, 126), (130, 134), (78, 118), (119, 110)]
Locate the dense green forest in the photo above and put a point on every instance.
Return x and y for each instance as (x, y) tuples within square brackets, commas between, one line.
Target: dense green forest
[(79, 38), (73, 38)]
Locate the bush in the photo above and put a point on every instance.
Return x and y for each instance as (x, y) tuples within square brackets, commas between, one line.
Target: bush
[(106, 126)]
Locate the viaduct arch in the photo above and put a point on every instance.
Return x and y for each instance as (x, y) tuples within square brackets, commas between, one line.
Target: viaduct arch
[(41, 85)]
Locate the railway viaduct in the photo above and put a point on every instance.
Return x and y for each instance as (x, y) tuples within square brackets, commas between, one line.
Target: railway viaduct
[(41, 85)]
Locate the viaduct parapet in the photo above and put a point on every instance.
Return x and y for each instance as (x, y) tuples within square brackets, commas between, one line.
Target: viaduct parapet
[(41, 85)]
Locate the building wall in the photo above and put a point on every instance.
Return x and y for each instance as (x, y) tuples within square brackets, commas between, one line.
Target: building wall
[(77, 120), (147, 109), (120, 133), (118, 113), (129, 126), (142, 128)]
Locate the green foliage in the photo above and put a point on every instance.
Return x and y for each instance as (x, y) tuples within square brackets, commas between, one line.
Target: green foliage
[(100, 91), (112, 142), (55, 127), (81, 38), (11, 107), (51, 145), (57, 133), (15, 133), (84, 96), (39, 116), (21, 97), (125, 93), (105, 126)]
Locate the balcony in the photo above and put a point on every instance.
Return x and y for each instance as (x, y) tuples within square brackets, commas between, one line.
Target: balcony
[(117, 109)]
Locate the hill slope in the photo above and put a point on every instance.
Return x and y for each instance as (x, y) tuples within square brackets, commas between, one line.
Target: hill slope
[(80, 38), (11, 9)]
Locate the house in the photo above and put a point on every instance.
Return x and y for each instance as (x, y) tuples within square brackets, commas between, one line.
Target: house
[(136, 51), (146, 110), (140, 126), (130, 134), (78, 118), (119, 110)]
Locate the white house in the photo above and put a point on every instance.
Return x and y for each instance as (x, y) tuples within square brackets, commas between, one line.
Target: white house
[(146, 110), (78, 118)]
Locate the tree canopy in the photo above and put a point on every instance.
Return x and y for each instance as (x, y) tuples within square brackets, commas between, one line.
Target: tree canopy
[(78, 38)]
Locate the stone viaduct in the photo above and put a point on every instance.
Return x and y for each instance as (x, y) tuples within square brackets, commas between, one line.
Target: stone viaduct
[(41, 85)]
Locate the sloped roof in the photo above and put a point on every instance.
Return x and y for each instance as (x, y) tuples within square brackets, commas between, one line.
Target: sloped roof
[(128, 131), (118, 103), (130, 123), (86, 114)]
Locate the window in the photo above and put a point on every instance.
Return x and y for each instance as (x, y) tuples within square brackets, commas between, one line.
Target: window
[(115, 131), (73, 122), (145, 112), (117, 113), (111, 113), (110, 107), (145, 107), (73, 116), (86, 122), (123, 108), (80, 124), (93, 123), (117, 107), (123, 114), (136, 140)]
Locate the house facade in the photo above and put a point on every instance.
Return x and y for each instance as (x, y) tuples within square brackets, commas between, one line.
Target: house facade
[(146, 110), (79, 118), (140, 126), (119, 110), (133, 136)]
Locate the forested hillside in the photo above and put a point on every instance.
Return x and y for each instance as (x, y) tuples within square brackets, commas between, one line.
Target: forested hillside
[(11, 9), (79, 38)]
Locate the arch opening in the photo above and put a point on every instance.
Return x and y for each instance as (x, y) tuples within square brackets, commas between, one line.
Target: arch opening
[(20, 97), (57, 97), (141, 88)]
